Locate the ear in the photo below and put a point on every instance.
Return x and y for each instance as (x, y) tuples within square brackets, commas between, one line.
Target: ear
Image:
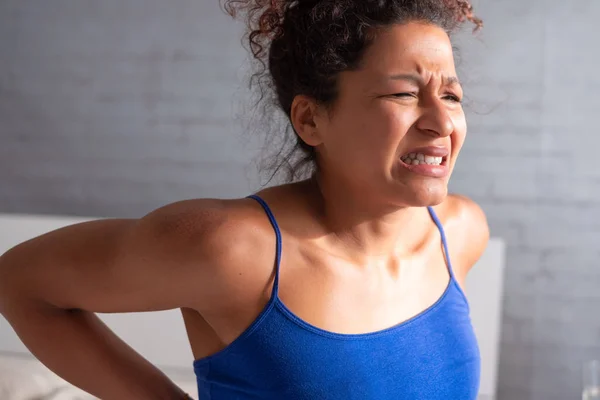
[(305, 117)]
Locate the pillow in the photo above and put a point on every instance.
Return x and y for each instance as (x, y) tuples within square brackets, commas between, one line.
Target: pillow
[(23, 377)]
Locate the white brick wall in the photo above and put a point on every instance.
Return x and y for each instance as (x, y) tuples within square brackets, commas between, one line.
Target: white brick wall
[(529, 162), (116, 107)]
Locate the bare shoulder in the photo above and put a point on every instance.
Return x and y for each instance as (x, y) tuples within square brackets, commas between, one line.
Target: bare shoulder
[(207, 224), (229, 243), (467, 230)]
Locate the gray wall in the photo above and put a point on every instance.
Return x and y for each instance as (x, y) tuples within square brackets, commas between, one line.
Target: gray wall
[(113, 108), (530, 162), (116, 107)]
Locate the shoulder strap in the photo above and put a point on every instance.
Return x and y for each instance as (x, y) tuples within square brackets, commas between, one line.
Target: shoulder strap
[(435, 219), (269, 213)]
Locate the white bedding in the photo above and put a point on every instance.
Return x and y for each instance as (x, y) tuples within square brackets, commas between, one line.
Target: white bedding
[(24, 378)]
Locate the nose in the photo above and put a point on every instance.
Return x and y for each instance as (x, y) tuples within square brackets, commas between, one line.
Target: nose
[(435, 120)]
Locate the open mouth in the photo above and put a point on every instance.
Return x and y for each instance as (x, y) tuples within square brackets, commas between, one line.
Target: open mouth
[(420, 158)]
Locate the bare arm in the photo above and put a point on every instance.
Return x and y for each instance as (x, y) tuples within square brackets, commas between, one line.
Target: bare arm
[(51, 285)]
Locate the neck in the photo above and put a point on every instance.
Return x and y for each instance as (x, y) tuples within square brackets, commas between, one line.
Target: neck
[(365, 227)]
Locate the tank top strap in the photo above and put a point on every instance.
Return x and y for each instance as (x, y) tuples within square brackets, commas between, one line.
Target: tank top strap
[(435, 219), (273, 222)]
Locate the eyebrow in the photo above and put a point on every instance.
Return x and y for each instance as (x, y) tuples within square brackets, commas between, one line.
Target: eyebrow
[(448, 80)]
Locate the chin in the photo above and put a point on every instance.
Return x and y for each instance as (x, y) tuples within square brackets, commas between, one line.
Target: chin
[(423, 195)]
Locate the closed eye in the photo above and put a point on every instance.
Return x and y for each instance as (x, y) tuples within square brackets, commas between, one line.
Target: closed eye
[(404, 95), (449, 97), (453, 98)]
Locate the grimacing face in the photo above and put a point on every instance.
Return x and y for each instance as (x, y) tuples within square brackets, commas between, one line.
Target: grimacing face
[(398, 125)]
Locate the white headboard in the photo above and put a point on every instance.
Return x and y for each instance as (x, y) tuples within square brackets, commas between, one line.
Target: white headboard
[(485, 289), (161, 338)]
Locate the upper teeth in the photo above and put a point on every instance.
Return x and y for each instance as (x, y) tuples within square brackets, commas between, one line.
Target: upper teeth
[(420, 158)]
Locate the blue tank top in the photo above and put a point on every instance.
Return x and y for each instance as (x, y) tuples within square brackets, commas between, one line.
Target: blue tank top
[(433, 355)]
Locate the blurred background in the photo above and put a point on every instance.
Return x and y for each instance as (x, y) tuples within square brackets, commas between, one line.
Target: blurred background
[(113, 108)]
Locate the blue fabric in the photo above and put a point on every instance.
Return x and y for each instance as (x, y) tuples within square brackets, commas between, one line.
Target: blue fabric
[(433, 355)]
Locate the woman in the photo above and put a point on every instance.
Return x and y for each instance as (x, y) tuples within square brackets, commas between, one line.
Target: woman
[(342, 286)]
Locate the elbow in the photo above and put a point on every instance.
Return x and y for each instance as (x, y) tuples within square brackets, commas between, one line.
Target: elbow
[(9, 282), (5, 281)]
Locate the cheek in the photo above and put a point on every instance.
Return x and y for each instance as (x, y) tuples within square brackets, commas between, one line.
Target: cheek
[(379, 129), (352, 134), (368, 134), (391, 127), (398, 123)]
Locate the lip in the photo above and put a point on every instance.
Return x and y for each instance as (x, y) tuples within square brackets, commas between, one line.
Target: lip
[(434, 171), (434, 151)]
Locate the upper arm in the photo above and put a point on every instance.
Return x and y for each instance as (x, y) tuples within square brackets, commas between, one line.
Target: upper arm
[(468, 232), (162, 261)]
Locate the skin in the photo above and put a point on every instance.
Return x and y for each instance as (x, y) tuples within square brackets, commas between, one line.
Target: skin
[(360, 252)]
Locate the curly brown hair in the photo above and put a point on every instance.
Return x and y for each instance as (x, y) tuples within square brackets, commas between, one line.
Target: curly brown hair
[(301, 46)]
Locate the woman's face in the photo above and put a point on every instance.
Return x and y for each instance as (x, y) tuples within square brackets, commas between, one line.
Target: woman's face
[(397, 126)]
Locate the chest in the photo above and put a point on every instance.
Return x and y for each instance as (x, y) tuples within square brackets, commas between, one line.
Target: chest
[(433, 356), (339, 297), (330, 294)]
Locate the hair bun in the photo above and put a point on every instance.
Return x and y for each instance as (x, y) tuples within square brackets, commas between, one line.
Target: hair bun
[(264, 19), (463, 10)]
